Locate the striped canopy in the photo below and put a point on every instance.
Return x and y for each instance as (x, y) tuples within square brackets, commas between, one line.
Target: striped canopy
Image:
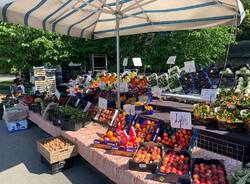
[(87, 18)]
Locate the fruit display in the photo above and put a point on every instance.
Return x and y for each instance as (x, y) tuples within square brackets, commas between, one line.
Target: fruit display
[(56, 144), (146, 158), (176, 163), (203, 80), (152, 80), (244, 71), (145, 129), (163, 81), (174, 83), (121, 120), (174, 70), (189, 83), (226, 98), (178, 139), (214, 75), (203, 111), (148, 153), (244, 102), (107, 116), (208, 172)]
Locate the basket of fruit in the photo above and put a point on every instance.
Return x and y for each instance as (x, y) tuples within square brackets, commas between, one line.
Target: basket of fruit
[(203, 114), (208, 171), (177, 139), (56, 149), (175, 167), (229, 119), (109, 139), (146, 158)]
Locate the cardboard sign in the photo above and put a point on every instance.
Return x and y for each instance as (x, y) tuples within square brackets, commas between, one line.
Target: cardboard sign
[(87, 107), (137, 61), (129, 109), (125, 62), (57, 94), (171, 60), (181, 120), (123, 87), (189, 66), (209, 95), (156, 91), (102, 103)]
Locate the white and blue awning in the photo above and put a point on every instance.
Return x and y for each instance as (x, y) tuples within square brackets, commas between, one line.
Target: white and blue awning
[(86, 18)]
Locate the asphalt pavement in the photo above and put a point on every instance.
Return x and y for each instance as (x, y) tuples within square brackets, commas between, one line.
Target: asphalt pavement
[(20, 162)]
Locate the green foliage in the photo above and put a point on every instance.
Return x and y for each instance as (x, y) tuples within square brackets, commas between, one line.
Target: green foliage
[(244, 29), (23, 47)]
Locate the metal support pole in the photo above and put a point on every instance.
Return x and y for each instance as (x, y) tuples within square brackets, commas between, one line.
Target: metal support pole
[(118, 61)]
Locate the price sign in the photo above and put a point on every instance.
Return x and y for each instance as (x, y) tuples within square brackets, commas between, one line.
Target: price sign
[(71, 91), (189, 66), (77, 102), (123, 87), (180, 120), (57, 94), (156, 91), (102, 103), (102, 85), (87, 107), (125, 62), (137, 61), (171, 60), (209, 95), (129, 109)]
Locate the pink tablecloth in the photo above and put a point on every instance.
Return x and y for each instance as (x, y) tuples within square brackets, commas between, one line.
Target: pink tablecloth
[(114, 167)]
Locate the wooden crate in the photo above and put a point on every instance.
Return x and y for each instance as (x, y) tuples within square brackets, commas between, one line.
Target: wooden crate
[(58, 155)]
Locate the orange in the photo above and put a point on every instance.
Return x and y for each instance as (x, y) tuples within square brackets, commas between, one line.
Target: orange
[(109, 134)]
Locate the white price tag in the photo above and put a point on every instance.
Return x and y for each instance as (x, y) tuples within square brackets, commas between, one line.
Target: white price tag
[(209, 95), (156, 91), (102, 103), (125, 62), (77, 102), (181, 120), (129, 109), (137, 61), (189, 66), (71, 91), (87, 107), (171, 60), (123, 87), (102, 85), (57, 94)]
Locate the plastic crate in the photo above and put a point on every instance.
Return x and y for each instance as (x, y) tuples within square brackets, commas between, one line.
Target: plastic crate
[(58, 166)]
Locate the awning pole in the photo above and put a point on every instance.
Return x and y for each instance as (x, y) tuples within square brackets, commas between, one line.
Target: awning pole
[(118, 61)]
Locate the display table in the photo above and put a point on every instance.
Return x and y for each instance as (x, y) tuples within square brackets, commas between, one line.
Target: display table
[(114, 167)]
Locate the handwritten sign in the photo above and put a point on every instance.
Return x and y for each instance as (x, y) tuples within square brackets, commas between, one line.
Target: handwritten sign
[(137, 61), (129, 109), (189, 66), (181, 120), (57, 94), (156, 91), (209, 95), (171, 60), (102, 103), (125, 62)]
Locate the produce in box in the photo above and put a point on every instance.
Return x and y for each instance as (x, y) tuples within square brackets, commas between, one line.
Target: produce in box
[(175, 163), (152, 80), (148, 154), (178, 139), (229, 115), (209, 172), (163, 81), (203, 111), (174, 83), (56, 144), (106, 116)]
